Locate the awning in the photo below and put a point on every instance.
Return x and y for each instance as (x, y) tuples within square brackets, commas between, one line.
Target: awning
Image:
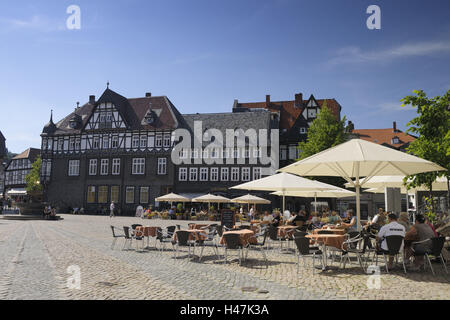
[(17, 192)]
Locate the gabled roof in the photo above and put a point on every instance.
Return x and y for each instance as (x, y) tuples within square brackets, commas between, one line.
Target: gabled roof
[(384, 136), (132, 110), (30, 153), (289, 112)]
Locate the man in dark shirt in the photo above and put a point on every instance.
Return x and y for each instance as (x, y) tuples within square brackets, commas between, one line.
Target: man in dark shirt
[(276, 219)]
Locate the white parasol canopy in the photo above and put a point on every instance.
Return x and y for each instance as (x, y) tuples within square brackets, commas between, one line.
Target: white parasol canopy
[(381, 182), (248, 198), (358, 158), (284, 182), (337, 193), (172, 197), (211, 198)]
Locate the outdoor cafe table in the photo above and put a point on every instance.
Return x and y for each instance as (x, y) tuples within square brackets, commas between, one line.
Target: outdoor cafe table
[(193, 234), (245, 236), (335, 231), (197, 226), (327, 240), (148, 231)]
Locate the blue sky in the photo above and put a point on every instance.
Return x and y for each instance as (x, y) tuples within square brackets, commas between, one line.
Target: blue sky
[(204, 54)]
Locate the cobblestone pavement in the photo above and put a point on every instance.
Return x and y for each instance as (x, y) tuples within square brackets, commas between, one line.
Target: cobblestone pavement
[(36, 260)]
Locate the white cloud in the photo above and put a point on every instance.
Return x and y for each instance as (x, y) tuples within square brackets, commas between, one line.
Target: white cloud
[(36, 22), (354, 54)]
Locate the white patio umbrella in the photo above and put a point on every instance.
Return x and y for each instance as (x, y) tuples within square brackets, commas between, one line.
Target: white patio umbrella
[(358, 158), (211, 198), (248, 198), (381, 182), (335, 193), (172, 197), (284, 182)]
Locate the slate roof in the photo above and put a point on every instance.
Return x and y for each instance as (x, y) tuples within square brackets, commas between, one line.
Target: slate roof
[(30, 153), (230, 120), (2, 145), (132, 110), (289, 112)]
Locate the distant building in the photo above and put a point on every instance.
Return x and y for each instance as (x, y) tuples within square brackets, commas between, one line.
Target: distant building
[(111, 149), (390, 137), (294, 116), (3, 153), (16, 171)]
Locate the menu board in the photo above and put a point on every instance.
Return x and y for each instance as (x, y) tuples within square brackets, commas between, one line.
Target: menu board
[(227, 218)]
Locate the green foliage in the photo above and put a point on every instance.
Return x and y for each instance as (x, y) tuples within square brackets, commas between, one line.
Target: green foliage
[(33, 179), (432, 125), (325, 132), (429, 209), (180, 207)]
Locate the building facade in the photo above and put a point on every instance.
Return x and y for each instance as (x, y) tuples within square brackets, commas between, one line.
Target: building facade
[(235, 160), (3, 153), (16, 170), (110, 149), (294, 116)]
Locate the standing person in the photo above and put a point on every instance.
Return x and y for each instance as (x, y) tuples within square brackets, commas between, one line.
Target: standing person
[(112, 207), (252, 213), (393, 228)]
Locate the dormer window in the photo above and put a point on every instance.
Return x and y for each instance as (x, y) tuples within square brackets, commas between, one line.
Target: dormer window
[(302, 130), (395, 140), (312, 113)]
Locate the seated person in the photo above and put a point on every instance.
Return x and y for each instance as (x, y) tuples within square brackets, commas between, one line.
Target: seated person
[(267, 218), (420, 231), (292, 219), (378, 221), (276, 219), (324, 220), (393, 228), (404, 220), (334, 218), (315, 220), (352, 224)]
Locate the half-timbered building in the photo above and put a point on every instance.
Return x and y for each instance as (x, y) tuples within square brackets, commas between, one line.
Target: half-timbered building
[(110, 149)]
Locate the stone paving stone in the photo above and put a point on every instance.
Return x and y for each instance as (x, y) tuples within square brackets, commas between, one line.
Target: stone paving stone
[(29, 247)]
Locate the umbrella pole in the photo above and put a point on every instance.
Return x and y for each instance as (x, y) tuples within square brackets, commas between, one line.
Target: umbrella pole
[(315, 202), (358, 209), (283, 202)]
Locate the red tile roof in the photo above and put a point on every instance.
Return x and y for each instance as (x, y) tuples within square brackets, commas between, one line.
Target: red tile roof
[(384, 136), (289, 112)]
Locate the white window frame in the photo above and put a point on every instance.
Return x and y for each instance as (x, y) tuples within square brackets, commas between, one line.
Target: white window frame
[(245, 174), (143, 142), (95, 142), (129, 188), (140, 194), (158, 141), (105, 142), (214, 174), (167, 141), (182, 174), (74, 168), (135, 141), (104, 167), (115, 167), (235, 174), (224, 174), (138, 166), (256, 173), (203, 174), (193, 174), (92, 167), (114, 141), (162, 166)]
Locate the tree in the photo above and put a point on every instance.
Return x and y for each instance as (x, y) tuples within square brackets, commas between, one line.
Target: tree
[(33, 179), (326, 131), (432, 125)]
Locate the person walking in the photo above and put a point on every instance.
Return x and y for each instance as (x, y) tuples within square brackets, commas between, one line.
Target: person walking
[(111, 209)]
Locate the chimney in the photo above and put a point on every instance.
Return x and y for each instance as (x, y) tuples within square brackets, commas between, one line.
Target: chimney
[(298, 100), (267, 99), (91, 99), (148, 94), (394, 126)]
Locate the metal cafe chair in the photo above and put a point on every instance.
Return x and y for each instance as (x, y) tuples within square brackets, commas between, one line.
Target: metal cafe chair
[(232, 242), (115, 236)]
